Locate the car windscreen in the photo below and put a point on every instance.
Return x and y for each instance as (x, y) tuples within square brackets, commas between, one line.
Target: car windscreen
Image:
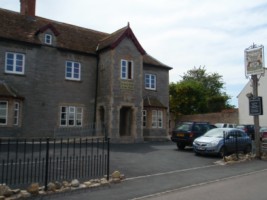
[(217, 133)]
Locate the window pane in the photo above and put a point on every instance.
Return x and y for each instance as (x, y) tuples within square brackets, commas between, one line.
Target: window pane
[(14, 63), (19, 57), (160, 119), (126, 69), (10, 62), (3, 112), (154, 119), (10, 56), (73, 70), (63, 116), (123, 63), (19, 69), (150, 81), (16, 114), (71, 116), (129, 70), (123, 72)]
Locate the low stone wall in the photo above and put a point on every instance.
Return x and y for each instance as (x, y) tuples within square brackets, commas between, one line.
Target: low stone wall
[(34, 190)]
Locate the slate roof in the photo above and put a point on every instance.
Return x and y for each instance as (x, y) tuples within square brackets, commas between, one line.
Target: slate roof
[(8, 92), (153, 102), (17, 27)]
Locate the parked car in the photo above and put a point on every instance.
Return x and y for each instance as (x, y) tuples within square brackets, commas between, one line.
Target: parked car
[(184, 133), (263, 132), (222, 141), (225, 125), (249, 129)]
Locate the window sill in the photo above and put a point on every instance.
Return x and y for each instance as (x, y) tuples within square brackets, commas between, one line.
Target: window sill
[(14, 74), (73, 80)]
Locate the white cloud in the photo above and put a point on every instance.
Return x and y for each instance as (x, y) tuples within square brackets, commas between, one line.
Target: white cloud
[(181, 34)]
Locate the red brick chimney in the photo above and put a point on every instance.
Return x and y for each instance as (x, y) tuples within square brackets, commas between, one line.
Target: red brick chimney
[(27, 7)]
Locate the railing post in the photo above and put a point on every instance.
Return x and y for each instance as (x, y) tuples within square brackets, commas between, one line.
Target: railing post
[(236, 145), (108, 149), (224, 150), (46, 163)]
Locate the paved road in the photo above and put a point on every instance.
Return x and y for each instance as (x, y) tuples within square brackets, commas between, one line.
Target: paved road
[(152, 168), (241, 187)]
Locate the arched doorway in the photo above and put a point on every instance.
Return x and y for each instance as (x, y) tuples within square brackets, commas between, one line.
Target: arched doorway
[(125, 121)]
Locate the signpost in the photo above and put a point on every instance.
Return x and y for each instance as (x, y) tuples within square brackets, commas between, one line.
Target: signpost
[(255, 106), (254, 66)]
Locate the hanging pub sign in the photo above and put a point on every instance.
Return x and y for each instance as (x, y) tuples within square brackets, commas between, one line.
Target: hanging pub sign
[(254, 60), (255, 106)]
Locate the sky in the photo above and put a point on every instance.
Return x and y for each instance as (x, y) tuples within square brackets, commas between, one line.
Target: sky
[(182, 34)]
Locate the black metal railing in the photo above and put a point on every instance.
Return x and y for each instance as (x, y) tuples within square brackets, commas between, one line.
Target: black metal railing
[(24, 161), (235, 143)]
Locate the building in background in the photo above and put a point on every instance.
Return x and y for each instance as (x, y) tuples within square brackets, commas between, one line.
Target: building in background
[(243, 102)]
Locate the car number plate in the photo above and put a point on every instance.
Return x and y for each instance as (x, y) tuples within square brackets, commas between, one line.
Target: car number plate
[(200, 148), (180, 135)]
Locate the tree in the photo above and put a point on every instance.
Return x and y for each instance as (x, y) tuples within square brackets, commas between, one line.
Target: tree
[(198, 92)]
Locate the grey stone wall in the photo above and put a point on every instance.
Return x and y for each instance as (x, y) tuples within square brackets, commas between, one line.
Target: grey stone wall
[(45, 88), (162, 94), (115, 93)]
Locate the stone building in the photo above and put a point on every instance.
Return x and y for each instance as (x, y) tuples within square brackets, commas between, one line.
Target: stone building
[(58, 79)]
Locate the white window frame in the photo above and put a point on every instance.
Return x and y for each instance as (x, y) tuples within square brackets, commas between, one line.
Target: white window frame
[(157, 119), (16, 113), (150, 81), (4, 116), (144, 118), (48, 39), (71, 116), (154, 118), (15, 63), (160, 119), (70, 70), (127, 67)]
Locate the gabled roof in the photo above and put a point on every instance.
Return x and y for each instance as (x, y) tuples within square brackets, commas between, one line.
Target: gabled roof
[(18, 27), (46, 27), (7, 92), (115, 38)]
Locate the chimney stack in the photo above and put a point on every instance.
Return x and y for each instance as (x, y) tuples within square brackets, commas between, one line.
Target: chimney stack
[(27, 7)]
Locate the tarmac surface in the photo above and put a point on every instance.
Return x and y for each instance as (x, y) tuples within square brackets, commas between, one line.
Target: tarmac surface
[(156, 167)]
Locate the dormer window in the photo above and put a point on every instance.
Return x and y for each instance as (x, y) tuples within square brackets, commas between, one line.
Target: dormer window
[(48, 39)]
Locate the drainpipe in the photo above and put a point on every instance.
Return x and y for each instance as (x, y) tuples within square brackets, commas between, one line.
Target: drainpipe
[(96, 93)]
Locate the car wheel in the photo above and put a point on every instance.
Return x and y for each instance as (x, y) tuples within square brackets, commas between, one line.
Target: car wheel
[(180, 146), (247, 149), (222, 152)]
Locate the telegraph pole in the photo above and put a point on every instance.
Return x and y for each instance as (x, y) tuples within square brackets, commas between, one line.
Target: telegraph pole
[(256, 119)]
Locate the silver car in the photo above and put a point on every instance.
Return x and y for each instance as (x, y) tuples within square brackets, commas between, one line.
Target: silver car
[(222, 141)]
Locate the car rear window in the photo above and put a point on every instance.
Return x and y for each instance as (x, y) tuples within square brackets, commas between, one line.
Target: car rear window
[(183, 127)]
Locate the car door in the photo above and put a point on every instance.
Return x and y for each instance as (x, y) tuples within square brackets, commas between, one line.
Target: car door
[(243, 141), (230, 141)]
